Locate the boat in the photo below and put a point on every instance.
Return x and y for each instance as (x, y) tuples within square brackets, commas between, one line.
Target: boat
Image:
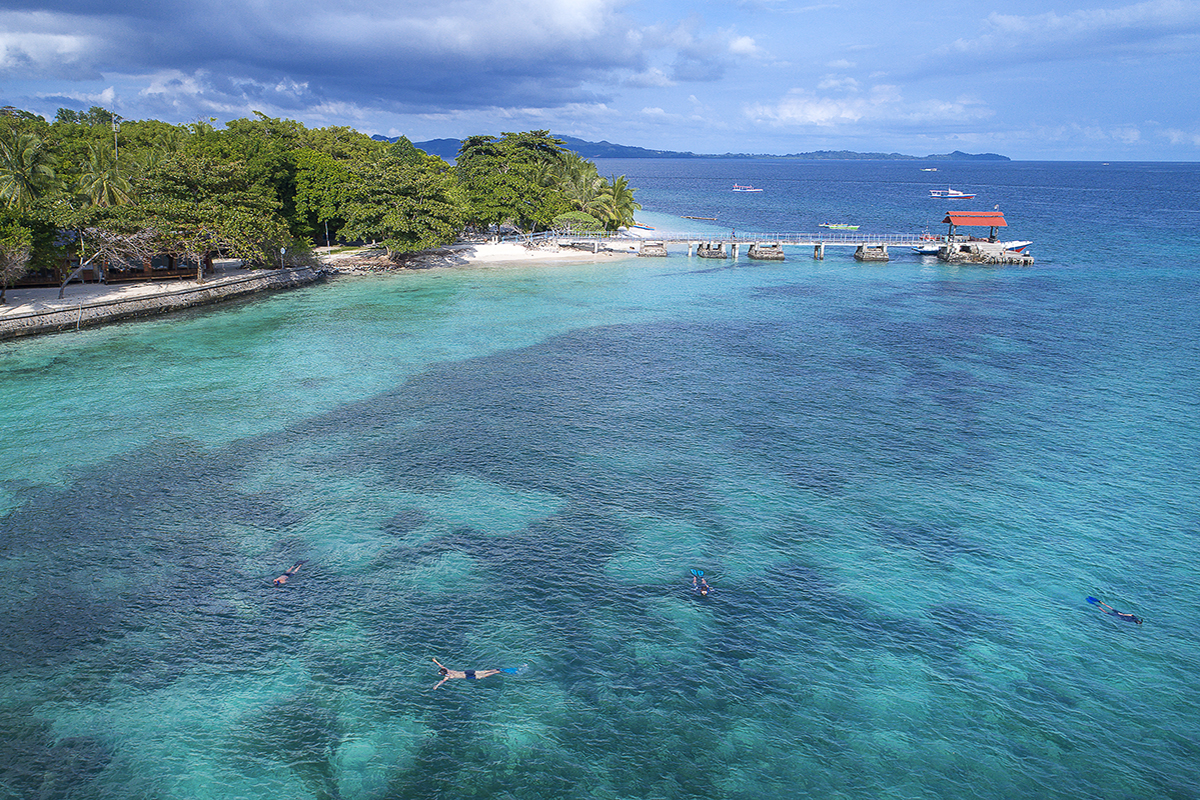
[(928, 245), (1016, 247), (740, 188), (709, 219), (928, 169), (838, 226), (951, 194), (641, 227)]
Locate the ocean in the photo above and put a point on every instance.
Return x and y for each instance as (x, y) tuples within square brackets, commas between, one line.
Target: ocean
[(902, 481)]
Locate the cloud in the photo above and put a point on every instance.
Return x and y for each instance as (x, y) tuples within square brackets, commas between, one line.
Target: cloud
[(801, 108), (404, 56), (652, 77), (35, 44), (1087, 33), (835, 82), (744, 46), (1177, 137)]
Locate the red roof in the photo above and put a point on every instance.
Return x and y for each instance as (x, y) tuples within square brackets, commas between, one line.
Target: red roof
[(984, 219)]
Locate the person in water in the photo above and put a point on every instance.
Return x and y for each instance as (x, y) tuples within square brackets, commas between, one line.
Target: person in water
[(282, 579), (468, 674), (700, 586), (1110, 610)]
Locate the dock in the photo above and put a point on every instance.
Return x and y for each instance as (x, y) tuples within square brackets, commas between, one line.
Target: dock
[(868, 247)]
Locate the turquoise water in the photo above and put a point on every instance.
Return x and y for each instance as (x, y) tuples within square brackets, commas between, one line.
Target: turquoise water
[(902, 481)]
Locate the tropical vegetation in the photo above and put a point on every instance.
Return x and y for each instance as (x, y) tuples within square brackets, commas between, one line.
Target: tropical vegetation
[(90, 187)]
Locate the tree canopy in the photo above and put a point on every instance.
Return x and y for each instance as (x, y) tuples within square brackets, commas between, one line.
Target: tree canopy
[(90, 181)]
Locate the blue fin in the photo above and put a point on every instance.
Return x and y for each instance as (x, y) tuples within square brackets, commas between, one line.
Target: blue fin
[(699, 573), (1093, 600)]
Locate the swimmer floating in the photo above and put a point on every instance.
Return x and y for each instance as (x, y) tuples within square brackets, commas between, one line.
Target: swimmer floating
[(471, 674), (1107, 609), (282, 579)]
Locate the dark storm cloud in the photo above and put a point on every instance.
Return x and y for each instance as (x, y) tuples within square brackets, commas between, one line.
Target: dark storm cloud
[(432, 56)]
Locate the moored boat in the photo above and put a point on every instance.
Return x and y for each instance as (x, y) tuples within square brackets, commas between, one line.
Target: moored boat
[(951, 194), (837, 226)]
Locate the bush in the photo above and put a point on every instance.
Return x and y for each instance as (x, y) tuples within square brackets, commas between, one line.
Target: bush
[(577, 221)]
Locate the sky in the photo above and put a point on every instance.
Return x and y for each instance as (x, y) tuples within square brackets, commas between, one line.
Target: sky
[(1044, 80)]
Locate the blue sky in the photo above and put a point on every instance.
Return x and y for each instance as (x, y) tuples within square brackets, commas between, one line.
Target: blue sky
[(1031, 80)]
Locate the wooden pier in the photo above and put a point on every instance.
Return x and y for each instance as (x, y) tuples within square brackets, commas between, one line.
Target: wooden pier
[(868, 247)]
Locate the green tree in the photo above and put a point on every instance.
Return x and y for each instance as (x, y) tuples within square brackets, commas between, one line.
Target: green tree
[(197, 206), (615, 204), (410, 206), (102, 183), (26, 170), (578, 181), (16, 243), (320, 179), (578, 221), (503, 179)]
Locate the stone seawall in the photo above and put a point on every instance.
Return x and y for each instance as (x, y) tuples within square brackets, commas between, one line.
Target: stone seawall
[(63, 317)]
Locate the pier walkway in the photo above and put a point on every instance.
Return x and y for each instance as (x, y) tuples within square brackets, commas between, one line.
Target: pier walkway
[(829, 239), (709, 244)]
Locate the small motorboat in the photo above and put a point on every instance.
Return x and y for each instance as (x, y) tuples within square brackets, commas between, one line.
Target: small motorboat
[(950, 194), (740, 188), (838, 226)]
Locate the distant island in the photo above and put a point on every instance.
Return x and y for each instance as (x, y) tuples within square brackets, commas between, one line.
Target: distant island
[(448, 148)]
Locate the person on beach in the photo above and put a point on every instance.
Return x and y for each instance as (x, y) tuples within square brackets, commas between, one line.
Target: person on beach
[(1119, 614), (700, 586), (282, 579), (468, 674)]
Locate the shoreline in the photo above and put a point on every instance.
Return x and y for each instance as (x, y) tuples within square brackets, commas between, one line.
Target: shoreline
[(38, 310)]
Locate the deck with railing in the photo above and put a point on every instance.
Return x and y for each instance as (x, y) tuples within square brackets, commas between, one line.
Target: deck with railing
[(827, 238)]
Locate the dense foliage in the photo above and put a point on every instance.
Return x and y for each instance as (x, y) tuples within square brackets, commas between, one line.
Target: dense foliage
[(90, 185)]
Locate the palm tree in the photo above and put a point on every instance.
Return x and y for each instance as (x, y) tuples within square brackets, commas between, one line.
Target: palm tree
[(615, 204), (578, 181), (26, 170), (102, 184)]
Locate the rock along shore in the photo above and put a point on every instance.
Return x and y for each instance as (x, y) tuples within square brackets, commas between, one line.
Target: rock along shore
[(53, 315)]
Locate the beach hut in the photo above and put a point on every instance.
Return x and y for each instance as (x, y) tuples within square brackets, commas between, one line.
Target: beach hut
[(976, 219)]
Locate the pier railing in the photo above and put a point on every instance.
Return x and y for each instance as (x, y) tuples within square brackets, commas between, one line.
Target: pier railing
[(834, 238)]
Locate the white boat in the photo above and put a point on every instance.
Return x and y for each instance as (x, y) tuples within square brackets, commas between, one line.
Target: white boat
[(739, 188), (1016, 247), (929, 245), (951, 194), (837, 226), (928, 169)]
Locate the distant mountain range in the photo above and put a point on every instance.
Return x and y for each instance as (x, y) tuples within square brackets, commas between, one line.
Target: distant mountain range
[(448, 149)]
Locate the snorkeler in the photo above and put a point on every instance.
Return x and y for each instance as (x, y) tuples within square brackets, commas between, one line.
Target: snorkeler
[(699, 585), (282, 579), (1107, 609), (469, 674)]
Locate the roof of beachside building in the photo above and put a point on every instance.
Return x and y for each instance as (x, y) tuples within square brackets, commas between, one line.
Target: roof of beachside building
[(984, 219)]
